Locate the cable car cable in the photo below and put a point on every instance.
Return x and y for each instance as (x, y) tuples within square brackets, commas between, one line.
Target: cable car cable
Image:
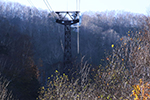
[(49, 5), (30, 2), (49, 8)]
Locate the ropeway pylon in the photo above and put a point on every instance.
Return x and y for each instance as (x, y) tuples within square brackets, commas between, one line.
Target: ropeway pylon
[(67, 22)]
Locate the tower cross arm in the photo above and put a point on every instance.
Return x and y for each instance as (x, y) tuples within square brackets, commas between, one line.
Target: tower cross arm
[(64, 20)]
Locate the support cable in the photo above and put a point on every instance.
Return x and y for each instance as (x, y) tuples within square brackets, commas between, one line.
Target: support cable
[(49, 5), (49, 8), (30, 2), (53, 13)]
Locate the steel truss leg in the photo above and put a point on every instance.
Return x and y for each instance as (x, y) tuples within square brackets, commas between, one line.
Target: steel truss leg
[(67, 50)]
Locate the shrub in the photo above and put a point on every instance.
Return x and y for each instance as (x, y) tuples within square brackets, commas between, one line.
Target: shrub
[(141, 91), (59, 87), (114, 80)]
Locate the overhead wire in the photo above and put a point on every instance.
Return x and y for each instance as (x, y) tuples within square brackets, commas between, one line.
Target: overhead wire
[(49, 5), (49, 8), (30, 2)]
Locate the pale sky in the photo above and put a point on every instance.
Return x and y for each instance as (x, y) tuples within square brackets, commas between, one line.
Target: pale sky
[(135, 6)]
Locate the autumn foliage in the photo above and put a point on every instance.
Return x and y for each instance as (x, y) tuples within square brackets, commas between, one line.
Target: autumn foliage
[(141, 91)]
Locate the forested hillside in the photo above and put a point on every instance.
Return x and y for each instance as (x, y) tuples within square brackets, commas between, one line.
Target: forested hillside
[(31, 48)]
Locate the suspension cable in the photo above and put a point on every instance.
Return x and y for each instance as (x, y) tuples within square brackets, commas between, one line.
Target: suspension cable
[(30, 2), (49, 8), (49, 5)]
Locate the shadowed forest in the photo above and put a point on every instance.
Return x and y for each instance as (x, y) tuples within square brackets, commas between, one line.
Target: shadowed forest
[(113, 63)]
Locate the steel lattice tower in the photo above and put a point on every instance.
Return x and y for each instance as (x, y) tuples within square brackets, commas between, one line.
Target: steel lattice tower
[(67, 22)]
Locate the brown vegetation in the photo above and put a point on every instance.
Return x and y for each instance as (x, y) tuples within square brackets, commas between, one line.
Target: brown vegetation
[(117, 80)]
